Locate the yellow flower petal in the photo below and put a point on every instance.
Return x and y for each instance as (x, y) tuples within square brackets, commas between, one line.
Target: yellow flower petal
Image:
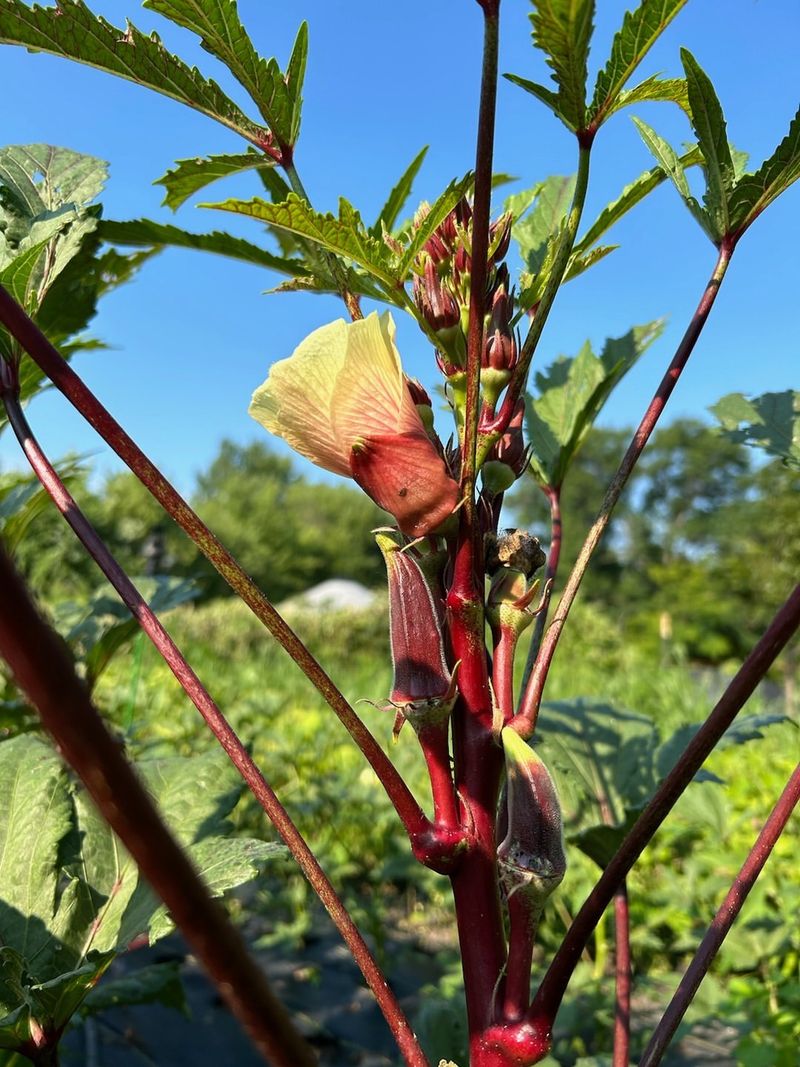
[(371, 398), (296, 400), (344, 383)]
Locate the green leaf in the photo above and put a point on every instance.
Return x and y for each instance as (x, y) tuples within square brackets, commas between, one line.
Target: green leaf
[(562, 29), (71, 30), (547, 97), (708, 123), (571, 394), (144, 233), (191, 175), (639, 32), (321, 280), (742, 730), (540, 215), (160, 983), (97, 628), (217, 24), (45, 215), (602, 760), (295, 76), (770, 421), (345, 236), (35, 818), (70, 894), (390, 211), (23, 499), (654, 90), (630, 196), (26, 1004), (581, 261), (223, 863), (672, 165), (44, 177), (537, 225), (49, 249), (755, 192)]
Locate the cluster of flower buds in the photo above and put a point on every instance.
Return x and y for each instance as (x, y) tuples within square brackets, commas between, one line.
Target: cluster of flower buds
[(442, 280), (511, 561)]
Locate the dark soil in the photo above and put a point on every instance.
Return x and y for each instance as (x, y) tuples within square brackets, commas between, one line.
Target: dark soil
[(326, 995)]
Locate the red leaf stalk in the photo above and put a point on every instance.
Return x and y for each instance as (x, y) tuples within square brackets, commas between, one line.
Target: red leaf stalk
[(525, 722), (622, 968)]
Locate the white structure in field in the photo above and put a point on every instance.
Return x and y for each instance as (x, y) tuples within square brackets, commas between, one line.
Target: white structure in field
[(336, 594)]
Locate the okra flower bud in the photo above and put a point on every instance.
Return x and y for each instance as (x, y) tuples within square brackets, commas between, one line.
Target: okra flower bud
[(531, 857), (423, 687)]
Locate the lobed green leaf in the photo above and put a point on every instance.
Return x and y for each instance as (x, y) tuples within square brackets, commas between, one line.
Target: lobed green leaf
[(570, 395), (708, 123), (191, 175), (770, 421), (674, 166), (71, 30), (755, 192), (144, 233), (70, 894), (562, 29), (639, 32), (217, 24), (345, 236)]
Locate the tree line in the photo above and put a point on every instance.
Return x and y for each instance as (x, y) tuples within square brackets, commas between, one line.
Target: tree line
[(702, 515)]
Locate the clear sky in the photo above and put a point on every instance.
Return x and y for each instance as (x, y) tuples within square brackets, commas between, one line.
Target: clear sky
[(193, 335)]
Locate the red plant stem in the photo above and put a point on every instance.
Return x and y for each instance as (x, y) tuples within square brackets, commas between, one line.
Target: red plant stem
[(525, 722), (42, 669), (505, 646), (553, 494), (478, 760), (622, 968), (67, 381), (480, 249), (723, 920), (221, 729), (434, 741), (522, 926), (546, 1003)]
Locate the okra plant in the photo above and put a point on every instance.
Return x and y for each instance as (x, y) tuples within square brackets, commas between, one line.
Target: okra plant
[(463, 591)]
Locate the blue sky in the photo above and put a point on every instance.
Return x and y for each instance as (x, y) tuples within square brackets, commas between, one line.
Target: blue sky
[(194, 334)]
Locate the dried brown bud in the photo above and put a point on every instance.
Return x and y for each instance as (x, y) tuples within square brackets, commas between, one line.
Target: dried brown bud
[(516, 549)]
